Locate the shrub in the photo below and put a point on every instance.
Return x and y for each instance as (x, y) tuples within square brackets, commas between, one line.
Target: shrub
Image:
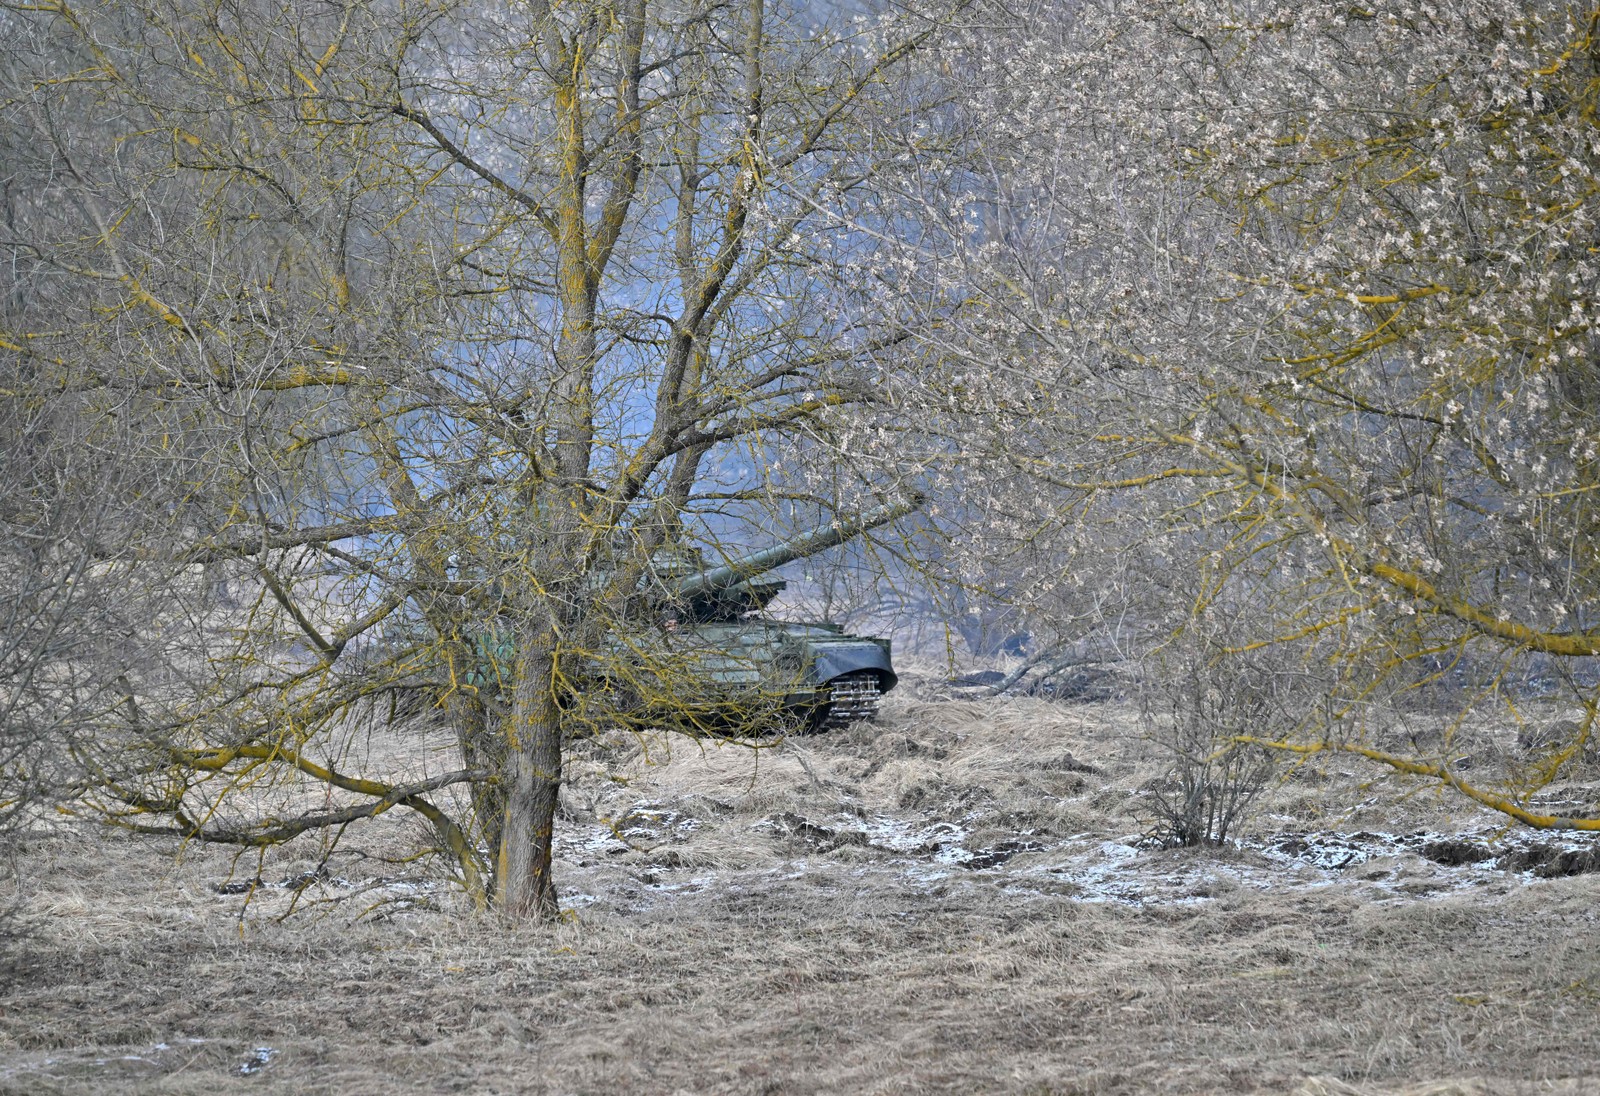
[(1194, 702)]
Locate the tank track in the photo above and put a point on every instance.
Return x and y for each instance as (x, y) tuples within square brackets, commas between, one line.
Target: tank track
[(851, 698)]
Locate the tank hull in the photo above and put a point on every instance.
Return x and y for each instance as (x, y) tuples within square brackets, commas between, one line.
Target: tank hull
[(748, 673)]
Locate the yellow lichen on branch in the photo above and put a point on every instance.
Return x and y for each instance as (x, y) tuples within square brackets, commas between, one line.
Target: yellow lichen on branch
[(154, 304), (1440, 773), (301, 376)]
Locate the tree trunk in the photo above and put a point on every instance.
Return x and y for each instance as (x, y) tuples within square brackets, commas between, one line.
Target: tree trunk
[(532, 781), (482, 743)]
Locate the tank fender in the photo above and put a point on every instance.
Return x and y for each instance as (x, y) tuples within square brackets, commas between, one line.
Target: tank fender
[(833, 657)]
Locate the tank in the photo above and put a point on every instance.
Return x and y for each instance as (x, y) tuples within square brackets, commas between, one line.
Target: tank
[(697, 649), (711, 625)]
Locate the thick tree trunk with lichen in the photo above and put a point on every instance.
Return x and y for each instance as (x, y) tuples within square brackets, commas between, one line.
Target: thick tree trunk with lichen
[(531, 782)]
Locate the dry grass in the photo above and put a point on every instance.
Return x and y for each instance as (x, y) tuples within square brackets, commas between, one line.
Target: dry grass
[(768, 923)]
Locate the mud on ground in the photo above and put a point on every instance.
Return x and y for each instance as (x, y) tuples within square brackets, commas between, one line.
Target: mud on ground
[(960, 897)]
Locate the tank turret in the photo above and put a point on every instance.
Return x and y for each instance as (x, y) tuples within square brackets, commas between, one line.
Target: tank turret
[(809, 543), (730, 590)]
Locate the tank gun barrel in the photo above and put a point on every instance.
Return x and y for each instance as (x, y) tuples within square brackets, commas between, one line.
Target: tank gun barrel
[(805, 544)]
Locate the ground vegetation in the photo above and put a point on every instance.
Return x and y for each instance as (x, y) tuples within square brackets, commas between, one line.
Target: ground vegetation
[(958, 897)]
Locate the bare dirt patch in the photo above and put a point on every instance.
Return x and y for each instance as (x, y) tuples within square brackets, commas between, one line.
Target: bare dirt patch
[(962, 897)]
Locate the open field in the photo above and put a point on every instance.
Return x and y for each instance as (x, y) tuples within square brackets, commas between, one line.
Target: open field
[(952, 899)]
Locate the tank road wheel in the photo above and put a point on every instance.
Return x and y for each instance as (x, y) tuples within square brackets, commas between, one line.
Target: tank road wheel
[(851, 697)]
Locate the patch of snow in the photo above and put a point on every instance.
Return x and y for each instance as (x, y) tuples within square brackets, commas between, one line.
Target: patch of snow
[(259, 1059), (942, 839)]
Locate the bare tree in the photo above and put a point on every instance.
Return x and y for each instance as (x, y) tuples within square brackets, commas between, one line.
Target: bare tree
[(73, 591), (1309, 320), (439, 315)]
